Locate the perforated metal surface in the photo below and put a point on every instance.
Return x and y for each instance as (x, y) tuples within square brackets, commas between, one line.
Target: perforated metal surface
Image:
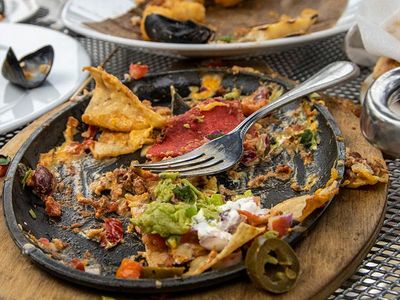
[(379, 274)]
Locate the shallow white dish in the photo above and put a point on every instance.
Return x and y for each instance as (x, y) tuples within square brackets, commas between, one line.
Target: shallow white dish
[(74, 19), (19, 106), (19, 10)]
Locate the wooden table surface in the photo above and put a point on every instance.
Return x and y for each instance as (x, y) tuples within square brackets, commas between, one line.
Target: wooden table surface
[(330, 253)]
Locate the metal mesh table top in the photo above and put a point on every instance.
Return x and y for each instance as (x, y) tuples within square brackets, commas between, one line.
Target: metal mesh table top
[(379, 274)]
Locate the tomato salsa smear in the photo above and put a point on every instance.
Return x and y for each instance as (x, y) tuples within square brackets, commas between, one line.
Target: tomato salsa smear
[(205, 121)]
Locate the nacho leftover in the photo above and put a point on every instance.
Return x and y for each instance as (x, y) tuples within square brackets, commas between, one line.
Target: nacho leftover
[(187, 225)]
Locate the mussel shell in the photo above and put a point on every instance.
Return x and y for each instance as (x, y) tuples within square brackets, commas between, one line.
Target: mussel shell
[(2, 8), (37, 64), (163, 29)]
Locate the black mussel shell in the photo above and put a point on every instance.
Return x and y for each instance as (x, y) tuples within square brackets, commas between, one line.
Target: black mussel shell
[(2, 9), (178, 105), (163, 29), (31, 70)]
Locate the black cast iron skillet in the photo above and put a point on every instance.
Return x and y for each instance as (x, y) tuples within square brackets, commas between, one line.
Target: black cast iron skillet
[(18, 201)]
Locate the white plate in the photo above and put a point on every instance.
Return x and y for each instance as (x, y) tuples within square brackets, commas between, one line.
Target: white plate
[(19, 10), (19, 106), (74, 18)]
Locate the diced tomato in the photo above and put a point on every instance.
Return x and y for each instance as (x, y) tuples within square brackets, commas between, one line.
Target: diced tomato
[(252, 219), (113, 233), (137, 71), (3, 170), (280, 224), (77, 264), (44, 241), (4, 162), (129, 269)]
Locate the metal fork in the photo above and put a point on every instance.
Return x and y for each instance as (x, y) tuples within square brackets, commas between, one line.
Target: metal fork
[(222, 153)]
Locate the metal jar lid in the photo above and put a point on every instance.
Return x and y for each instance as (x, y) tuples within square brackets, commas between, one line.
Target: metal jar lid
[(379, 123)]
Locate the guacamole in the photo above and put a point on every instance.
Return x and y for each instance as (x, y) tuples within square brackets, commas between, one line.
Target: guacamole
[(176, 202), (167, 219)]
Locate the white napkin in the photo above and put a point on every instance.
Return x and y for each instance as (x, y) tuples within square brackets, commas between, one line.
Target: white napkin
[(378, 23)]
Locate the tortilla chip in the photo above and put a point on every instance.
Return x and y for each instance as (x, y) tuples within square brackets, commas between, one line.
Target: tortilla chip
[(66, 151), (157, 258), (361, 171), (243, 234), (200, 261), (115, 107), (301, 207), (286, 26), (292, 206), (320, 197), (111, 144)]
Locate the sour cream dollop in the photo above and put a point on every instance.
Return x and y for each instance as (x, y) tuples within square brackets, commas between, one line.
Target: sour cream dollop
[(215, 235), (247, 204)]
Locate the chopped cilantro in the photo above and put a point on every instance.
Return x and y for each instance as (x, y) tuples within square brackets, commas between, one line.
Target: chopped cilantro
[(308, 139), (26, 176), (185, 193)]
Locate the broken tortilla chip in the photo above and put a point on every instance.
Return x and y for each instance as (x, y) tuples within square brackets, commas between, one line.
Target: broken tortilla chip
[(361, 171), (285, 27), (292, 206), (111, 144), (68, 151), (115, 107), (301, 207), (243, 234)]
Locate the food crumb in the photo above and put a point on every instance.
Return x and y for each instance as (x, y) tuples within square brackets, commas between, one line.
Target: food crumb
[(158, 284), (340, 138)]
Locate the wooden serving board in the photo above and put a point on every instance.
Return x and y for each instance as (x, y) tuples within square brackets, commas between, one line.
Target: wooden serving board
[(329, 254)]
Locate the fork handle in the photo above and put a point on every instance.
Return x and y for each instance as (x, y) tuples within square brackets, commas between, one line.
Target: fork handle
[(327, 77)]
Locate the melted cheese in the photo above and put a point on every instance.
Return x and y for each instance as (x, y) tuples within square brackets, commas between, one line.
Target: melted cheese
[(211, 105), (210, 83), (68, 151)]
